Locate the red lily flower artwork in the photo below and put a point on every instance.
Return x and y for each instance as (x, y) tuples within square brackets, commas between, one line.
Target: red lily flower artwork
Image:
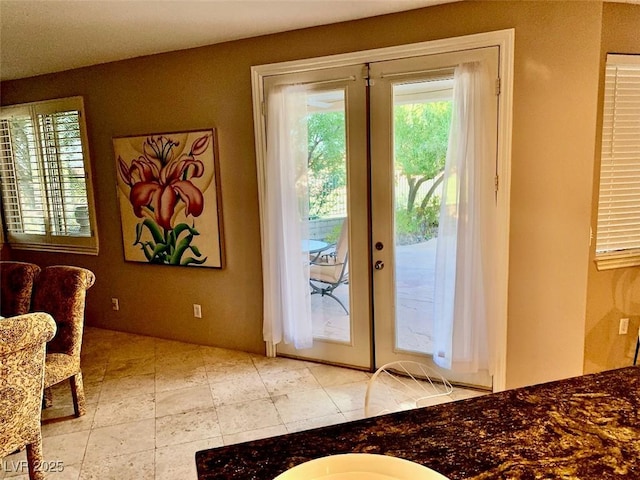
[(169, 198)]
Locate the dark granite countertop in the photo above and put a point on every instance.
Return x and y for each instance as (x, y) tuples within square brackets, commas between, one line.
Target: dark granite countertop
[(585, 428)]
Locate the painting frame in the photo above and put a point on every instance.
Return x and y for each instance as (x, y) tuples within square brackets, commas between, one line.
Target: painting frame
[(169, 198)]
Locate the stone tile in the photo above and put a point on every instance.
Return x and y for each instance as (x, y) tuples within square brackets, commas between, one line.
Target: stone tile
[(120, 388), (185, 382), (98, 357), (287, 381), (181, 360), (184, 400), (267, 365), (92, 391), (176, 379), (62, 401), (242, 417), (233, 391), (212, 355), (94, 334), (140, 347), (126, 410), (165, 348), (224, 372), (254, 434), (462, 393), (67, 472), (56, 471), (92, 372), (68, 448), (304, 405), (15, 466), (120, 368), (112, 441), (19, 477), (179, 461), (139, 465), (316, 422), (187, 427), (352, 415), (349, 396), (328, 375), (53, 424), (429, 402), (58, 412)]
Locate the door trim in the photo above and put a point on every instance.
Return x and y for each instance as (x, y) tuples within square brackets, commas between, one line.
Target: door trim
[(505, 40)]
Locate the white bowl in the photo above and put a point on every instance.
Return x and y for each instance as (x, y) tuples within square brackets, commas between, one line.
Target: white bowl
[(360, 466)]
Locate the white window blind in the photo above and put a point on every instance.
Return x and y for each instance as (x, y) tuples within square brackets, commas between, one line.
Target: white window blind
[(44, 167), (618, 230)]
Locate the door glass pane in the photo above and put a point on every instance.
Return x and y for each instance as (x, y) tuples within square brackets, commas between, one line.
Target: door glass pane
[(328, 233), (421, 122)]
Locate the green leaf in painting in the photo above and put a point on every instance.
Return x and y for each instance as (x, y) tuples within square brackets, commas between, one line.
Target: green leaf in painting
[(189, 260)]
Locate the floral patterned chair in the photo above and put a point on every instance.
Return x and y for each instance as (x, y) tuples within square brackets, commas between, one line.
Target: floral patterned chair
[(61, 291), (16, 287), (22, 352)]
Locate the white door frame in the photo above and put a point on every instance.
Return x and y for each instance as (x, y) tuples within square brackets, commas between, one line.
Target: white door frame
[(505, 40)]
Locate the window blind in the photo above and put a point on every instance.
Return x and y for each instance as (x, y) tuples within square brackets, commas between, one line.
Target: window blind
[(43, 164), (618, 226), (22, 193)]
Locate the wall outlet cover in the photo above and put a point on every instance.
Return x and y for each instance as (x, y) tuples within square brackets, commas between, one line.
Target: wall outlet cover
[(623, 328)]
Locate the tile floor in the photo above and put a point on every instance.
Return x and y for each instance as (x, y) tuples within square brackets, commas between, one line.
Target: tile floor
[(153, 403)]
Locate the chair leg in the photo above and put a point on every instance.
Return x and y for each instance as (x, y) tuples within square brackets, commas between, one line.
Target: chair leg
[(327, 292), (77, 391), (34, 459)]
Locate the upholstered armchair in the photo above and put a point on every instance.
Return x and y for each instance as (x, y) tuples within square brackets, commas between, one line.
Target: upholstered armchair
[(22, 353), (61, 292), (16, 287)]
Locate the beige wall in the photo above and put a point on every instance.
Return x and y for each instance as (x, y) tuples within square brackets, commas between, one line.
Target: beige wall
[(557, 61), (612, 294)]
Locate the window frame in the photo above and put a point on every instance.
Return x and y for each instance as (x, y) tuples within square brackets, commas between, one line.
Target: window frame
[(87, 245), (607, 255)]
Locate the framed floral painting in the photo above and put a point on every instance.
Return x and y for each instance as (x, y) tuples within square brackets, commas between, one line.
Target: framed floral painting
[(169, 196)]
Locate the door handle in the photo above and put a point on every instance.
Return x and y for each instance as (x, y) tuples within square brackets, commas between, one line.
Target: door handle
[(379, 265)]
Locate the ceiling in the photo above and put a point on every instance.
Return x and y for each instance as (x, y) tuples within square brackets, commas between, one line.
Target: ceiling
[(45, 36)]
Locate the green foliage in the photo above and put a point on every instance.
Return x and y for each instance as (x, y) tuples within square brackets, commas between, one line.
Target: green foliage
[(333, 235), (326, 160), (419, 224), (421, 138)]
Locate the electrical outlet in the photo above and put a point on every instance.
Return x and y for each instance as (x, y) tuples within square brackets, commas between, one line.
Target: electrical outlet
[(623, 328), (115, 304), (197, 311)]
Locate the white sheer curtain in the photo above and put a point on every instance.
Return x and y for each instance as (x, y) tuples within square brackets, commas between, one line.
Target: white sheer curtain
[(460, 310), (285, 267)]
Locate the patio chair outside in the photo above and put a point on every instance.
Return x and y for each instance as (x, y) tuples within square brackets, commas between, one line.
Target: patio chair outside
[(329, 272)]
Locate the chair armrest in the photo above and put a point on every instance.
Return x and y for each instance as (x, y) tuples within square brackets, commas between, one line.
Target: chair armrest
[(23, 331)]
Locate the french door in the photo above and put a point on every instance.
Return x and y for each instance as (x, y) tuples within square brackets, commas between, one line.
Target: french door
[(410, 112), (378, 136), (337, 189)]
